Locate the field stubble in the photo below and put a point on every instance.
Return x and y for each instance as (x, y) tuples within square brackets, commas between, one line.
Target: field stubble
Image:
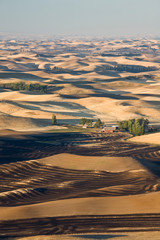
[(26, 179)]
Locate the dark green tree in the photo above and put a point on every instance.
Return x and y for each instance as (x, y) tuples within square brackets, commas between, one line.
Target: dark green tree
[(98, 124), (86, 121), (54, 120), (136, 126), (35, 87)]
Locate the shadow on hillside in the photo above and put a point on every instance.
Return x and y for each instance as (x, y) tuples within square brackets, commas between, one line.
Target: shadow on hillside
[(21, 76), (80, 111), (98, 236)]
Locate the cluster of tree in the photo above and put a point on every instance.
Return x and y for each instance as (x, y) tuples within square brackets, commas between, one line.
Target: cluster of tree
[(58, 69), (98, 123), (135, 126), (127, 68), (89, 122), (55, 70), (86, 121), (35, 87)]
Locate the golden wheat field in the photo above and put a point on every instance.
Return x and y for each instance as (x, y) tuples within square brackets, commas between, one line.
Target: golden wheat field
[(62, 181)]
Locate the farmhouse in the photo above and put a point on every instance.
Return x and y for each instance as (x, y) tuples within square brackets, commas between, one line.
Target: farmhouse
[(110, 129)]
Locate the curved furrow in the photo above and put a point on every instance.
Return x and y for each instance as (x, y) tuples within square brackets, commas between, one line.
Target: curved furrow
[(31, 182), (18, 196), (34, 168), (80, 224), (62, 185), (120, 190), (150, 156)]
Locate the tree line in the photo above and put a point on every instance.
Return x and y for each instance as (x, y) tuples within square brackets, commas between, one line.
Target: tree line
[(83, 121), (89, 122), (35, 87), (135, 126), (127, 68)]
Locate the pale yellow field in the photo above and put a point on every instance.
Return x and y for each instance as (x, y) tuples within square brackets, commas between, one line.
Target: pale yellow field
[(80, 89), (153, 138)]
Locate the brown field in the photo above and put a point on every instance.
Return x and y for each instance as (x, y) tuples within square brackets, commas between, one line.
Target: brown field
[(70, 186), (113, 80), (65, 182)]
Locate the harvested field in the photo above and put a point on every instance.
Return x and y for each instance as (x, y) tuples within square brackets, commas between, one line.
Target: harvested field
[(79, 224), (47, 183), (33, 172), (44, 145), (72, 180)]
